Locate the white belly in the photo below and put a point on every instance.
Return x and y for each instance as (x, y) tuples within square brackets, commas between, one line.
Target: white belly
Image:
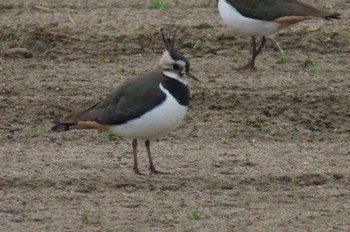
[(156, 123), (243, 25)]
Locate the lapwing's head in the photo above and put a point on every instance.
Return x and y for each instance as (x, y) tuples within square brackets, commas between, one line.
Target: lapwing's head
[(173, 64)]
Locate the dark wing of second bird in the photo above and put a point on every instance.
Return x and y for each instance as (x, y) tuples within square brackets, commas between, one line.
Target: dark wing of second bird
[(270, 10)]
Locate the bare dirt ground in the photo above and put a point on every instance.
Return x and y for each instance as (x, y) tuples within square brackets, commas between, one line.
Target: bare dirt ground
[(259, 151)]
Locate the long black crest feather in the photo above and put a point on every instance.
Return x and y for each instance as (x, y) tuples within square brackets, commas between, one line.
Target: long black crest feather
[(170, 47), (169, 42)]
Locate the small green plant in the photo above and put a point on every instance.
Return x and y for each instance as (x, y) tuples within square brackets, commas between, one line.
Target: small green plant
[(282, 60), (194, 215), (232, 52), (59, 4), (166, 195), (259, 122), (31, 132), (110, 136), (198, 45), (85, 217), (174, 208), (264, 127), (313, 67), (332, 90), (301, 195), (236, 100), (242, 62), (160, 4), (22, 7), (108, 58), (225, 141), (272, 188)]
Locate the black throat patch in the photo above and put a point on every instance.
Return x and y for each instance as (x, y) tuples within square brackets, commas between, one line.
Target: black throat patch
[(178, 90)]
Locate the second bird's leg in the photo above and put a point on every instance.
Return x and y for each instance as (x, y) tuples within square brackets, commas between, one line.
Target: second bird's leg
[(134, 150), (262, 44), (151, 165), (257, 51), (250, 65)]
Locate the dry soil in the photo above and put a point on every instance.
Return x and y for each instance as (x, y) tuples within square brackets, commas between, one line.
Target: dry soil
[(258, 151)]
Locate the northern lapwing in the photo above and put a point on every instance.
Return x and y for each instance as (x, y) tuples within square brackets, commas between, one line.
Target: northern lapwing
[(146, 107), (264, 18)]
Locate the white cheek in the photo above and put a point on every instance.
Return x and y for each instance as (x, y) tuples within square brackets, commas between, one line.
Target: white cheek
[(175, 76), (181, 63)]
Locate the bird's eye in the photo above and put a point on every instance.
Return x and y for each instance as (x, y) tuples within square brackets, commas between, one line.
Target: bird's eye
[(176, 66)]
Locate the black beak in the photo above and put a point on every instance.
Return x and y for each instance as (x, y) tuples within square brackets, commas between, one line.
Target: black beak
[(188, 74)]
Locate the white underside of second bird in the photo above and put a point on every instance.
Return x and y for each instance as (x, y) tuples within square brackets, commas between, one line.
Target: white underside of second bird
[(155, 123), (243, 25)]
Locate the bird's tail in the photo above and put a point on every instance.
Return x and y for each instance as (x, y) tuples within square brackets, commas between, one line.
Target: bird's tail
[(65, 126), (335, 15)]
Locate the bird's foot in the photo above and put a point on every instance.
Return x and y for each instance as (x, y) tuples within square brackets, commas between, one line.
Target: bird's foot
[(154, 171), (137, 171)]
